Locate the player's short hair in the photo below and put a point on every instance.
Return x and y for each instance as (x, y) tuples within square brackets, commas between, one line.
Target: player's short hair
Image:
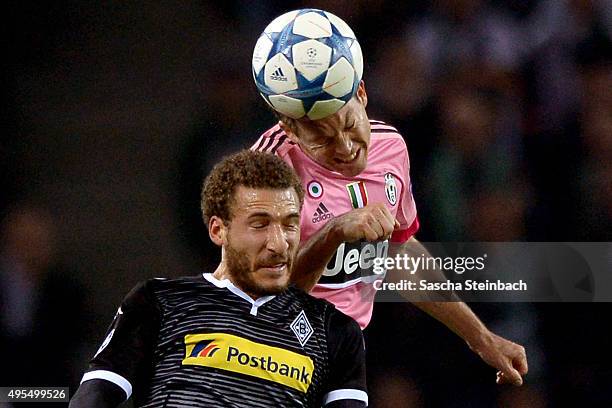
[(285, 119), (249, 169)]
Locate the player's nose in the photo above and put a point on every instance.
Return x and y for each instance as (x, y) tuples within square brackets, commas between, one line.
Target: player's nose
[(344, 145), (277, 240)]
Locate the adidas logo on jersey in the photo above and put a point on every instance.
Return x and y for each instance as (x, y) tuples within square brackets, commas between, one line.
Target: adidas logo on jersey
[(278, 75), (321, 214)]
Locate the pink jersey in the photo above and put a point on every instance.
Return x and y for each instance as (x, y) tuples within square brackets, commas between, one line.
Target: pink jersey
[(347, 279)]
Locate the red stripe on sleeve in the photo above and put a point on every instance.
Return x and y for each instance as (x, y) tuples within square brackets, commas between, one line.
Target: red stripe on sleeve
[(402, 236)]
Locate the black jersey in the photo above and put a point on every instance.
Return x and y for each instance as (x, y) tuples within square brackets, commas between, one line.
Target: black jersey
[(202, 342)]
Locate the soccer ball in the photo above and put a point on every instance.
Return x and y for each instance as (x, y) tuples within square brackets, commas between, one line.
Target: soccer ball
[(307, 63)]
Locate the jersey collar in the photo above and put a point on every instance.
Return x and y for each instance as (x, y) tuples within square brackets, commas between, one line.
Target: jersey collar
[(227, 284)]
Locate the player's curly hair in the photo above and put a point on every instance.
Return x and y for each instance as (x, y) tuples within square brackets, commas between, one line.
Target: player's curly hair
[(249, 169)]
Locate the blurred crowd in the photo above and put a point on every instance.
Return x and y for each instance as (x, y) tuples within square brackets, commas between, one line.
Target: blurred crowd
[(506, 108)]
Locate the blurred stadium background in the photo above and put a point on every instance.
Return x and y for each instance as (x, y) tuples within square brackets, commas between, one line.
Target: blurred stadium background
[(115, 110)]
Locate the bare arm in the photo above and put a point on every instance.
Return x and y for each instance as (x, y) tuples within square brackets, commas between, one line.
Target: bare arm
[(504, 355), (314, 254), (372, 222), (508, 357)]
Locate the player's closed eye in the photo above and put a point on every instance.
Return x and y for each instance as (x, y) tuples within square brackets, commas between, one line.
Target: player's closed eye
[(258, 224), (321, 144), (291, 226)]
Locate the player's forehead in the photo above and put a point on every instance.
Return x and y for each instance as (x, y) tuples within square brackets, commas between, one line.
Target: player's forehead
[(249, 201), (336, 121)]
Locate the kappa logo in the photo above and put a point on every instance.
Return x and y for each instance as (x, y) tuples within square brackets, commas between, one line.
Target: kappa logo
[(105, 342), (278, 75), (109, 336), (321, 214)]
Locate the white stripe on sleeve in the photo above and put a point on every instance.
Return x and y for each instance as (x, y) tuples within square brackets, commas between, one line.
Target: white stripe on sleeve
[(345, 393), (112, 377)]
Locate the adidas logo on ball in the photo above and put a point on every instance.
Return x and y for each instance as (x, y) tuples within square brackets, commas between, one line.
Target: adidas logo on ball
[(278, 75)]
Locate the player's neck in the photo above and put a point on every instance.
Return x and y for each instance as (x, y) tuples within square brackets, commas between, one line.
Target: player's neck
[(222, 273)]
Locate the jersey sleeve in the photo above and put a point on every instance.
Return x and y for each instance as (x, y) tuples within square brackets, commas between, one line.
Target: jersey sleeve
[(347, 377), (125, 356), (406, 212)]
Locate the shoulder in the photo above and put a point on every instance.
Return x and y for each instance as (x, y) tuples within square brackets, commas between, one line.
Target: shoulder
[(332, 316), (157, 284), (383, 131), (387, 145), (156, 290), (341, 323), (316, 305), (274, 140)]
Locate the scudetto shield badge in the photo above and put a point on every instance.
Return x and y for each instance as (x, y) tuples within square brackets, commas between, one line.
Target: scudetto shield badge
[(390, 188)]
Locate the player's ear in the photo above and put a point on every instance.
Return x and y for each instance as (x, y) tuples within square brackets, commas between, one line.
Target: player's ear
[(361, 94), (288, 127), (217, 230)]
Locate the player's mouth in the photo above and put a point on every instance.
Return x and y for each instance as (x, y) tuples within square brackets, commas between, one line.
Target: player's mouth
[(349, 159), (279, 267)]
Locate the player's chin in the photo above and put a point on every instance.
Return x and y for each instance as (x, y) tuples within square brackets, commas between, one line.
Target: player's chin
[(354, 167), (274, 278), (351, 170), (274, 287)]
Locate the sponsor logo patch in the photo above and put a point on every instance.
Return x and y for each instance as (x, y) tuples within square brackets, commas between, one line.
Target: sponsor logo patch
[(204, 348), (354, 261), (236, 354)]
